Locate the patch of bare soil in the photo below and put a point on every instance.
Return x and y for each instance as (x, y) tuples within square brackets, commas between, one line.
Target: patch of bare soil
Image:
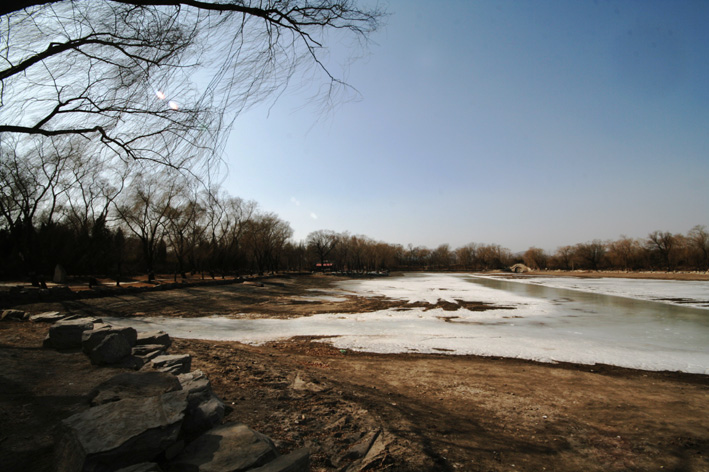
[(461, 412), (422, 412), (282, 297)]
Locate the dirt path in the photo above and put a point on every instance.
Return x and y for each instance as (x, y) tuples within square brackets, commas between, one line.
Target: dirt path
[(464, 413), (431, 412)]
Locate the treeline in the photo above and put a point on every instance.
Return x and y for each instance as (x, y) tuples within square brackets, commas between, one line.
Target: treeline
[(106, 218), (658, 251), (102, 218)]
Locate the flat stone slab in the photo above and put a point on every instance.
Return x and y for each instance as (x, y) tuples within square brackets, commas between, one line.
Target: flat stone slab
[(92, 338), (148, 352), (122, 433), (142, 467), (134, 385), (16, 315), (154, 337), (48, 317), (204, 409), (296, 461), (111, 350), (66, 334), (173, 364), (226, 448)]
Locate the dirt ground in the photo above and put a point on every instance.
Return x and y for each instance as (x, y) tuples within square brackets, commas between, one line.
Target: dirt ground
[(430, 412)]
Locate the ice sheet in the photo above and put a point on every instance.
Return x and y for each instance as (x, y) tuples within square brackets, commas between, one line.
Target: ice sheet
[(675, 292), (539, 323)]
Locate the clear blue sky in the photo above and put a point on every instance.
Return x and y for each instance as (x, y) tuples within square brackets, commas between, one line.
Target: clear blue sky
[(522, 123)]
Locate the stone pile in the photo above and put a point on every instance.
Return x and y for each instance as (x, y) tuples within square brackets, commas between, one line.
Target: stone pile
[(157, 415)]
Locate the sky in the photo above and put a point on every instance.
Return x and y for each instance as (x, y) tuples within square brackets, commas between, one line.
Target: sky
[(519, 123)]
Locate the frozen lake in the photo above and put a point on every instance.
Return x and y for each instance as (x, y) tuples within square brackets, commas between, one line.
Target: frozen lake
[(643, 324)]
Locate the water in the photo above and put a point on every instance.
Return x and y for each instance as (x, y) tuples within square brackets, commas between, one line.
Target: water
[(534, 321)]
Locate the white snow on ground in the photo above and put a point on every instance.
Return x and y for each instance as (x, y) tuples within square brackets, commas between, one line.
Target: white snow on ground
[(537, 323), (675, 292)]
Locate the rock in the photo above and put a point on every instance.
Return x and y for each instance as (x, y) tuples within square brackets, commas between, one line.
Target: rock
[(154, 337), (59, 275), (84, 317), (296, 461), (134, 385), (17, 315), (142, 467), (357, 450), (92, 338), (120, 434), (173, 364), (146, 352), (375, 457), (299, 384), (111, 350), (204, 409), (226, 448), (66, 334), (195, 382), (48, 317)]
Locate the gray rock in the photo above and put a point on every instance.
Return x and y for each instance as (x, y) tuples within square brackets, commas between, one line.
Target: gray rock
[(226, 448), (195, 382), (173, 364), (142, 467), (375, 457), (149, 351), (112, 349), (296, 461), (92, 338), (66, 334), (120, 434), (359, 449), (94, 320), (203, 415), (16, 315), (48, 317), (134, 385), (204, 409), (154, 337)]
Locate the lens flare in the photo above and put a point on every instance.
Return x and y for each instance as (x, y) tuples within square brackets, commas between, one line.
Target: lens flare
[(160, 94), (173, 104)]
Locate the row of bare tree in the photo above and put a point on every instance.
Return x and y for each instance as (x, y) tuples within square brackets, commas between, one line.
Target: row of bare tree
[(58, 207), (659, 251)]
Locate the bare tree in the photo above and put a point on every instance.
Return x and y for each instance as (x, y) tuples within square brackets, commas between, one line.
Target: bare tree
[(181, 218), (31, 186), (467, 255), (233, 225), (441, 257), (564, 258), (624, 253), (322, 242), (664, 245), (266, 237), (535, 258), (145, 211), (591, 254), (698, 238), (493, 256), (158, 80)]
